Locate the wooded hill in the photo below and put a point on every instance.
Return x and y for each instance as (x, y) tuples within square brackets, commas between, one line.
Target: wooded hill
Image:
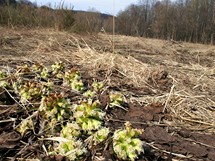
[(181, 20), (23, 13)]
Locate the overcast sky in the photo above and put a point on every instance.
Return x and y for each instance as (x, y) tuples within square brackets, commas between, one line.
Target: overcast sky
[(104, 6)]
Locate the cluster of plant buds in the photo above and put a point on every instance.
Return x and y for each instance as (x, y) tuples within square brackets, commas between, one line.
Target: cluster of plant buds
[(98, 137), (37, 67), (73, 79), (70, 130), (89, 94), (71, 148), (126, 145), (88, 115), (3, 83), (116, 99), (41, 70), (30, 90), (45, 73), (55, 106), (23, 69), (47, 87), (97, 86), (58, 69), (25, 125)]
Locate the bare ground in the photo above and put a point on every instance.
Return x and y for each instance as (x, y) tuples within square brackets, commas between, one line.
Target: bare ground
[(169, 87)]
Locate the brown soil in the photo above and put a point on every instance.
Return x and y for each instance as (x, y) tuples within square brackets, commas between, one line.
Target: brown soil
[(172, 97)]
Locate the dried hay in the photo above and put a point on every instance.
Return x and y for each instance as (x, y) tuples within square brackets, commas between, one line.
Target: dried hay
[(132, 71), (191, 111)]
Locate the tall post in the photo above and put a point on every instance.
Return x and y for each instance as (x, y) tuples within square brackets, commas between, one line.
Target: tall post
[(113, 44)]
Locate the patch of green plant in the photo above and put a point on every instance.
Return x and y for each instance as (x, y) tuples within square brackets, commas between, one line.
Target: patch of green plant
[(58, 69), (41, 71), (97, 86), (71, 129), (88, 115), (98, 136), (73, 79), (54, 106), (72, 148), (3, 83), (89, 94), (44, 73), (116, 99), (30, 90), (126, 144), (73, 118), (25, 125), (47, 87), (37, 67), (24, 69)]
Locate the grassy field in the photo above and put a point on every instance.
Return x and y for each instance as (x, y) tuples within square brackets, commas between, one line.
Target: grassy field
[(167, 86)]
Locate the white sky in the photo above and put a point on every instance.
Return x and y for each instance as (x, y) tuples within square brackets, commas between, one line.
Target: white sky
[(104, 6)]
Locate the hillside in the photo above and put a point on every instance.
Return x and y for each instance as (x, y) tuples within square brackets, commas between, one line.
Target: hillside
[(168, 89)]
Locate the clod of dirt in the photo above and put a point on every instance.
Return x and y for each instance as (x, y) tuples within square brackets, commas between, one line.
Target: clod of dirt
[(151, 112), (55, 158), (158, 135), (9, 140), (5, 98), (104, 99), (159, 79), (198, 145)]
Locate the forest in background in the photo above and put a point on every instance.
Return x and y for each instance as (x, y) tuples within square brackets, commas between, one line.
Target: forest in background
[(181, 20)]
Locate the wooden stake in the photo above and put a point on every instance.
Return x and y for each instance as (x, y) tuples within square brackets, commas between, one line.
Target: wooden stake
[(113, 44)]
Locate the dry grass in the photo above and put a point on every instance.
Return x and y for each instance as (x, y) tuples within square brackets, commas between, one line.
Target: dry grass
[(132, 71)]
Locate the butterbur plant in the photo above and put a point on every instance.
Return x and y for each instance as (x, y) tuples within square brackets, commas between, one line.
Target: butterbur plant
[(97, 86), (126, 145), (88, 115), (47, 87), (71, 148), (77, 85), (25, 125), (71, 75), (29, 91), (37, 67), (99, 136), (58, 69), (116, 99), (70, 130), (3, 83), (73, 79), (23, 69), (2, 74), (58, 66), (54, 106), (89, 94), (74, 127), (44, 73)]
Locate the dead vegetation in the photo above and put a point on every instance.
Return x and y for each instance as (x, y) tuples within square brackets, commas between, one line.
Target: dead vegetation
[(170, 83)]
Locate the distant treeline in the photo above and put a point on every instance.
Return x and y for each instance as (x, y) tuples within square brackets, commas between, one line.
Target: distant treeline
[(23, 13), (185, 20), (181, 20)]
